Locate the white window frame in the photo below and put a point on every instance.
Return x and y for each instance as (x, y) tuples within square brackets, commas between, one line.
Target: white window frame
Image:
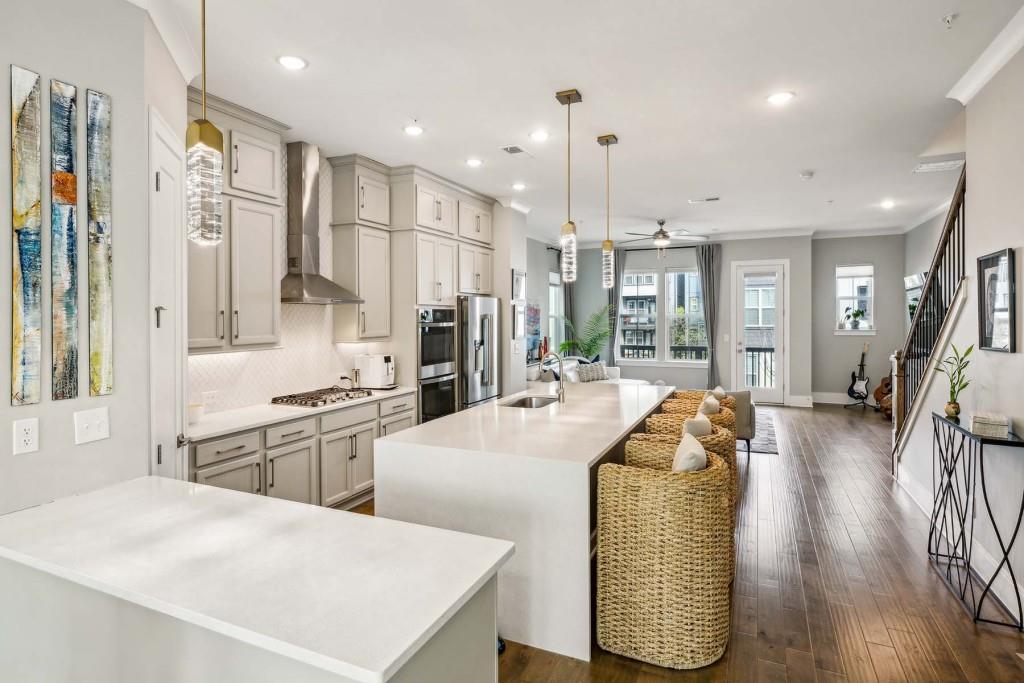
[(837, 301), (556, 326), (761, 308), (660, 322)]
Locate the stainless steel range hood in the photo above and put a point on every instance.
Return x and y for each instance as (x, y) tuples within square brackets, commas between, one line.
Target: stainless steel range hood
[(304, 284)]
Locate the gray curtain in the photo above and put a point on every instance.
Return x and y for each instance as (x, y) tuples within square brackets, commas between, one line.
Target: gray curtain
[(613, 301), (567, 291), (709, 262)]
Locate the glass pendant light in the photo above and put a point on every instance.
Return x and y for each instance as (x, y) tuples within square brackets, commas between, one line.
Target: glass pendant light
[(567, 240), (204, 168), (607, 246)]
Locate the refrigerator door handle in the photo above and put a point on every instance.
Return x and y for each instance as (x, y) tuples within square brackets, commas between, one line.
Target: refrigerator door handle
[(485, 344)]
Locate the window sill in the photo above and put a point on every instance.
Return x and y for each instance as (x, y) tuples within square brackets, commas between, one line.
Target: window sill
[(855, 333), (679, 364)]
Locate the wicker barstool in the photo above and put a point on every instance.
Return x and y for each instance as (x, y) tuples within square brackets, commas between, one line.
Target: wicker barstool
[(672, 423), (699, 394), (663, 559)]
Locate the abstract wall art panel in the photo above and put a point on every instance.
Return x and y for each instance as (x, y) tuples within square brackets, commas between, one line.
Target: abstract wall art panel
[(101, 294), (26, 255), (63, 239)]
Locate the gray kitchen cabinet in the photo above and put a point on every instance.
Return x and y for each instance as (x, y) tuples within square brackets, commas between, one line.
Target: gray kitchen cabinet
[(291, 472), (435, 210), (395, 424), (361, 191), (335, 479), (255, 277), (207, 296), (362, 264), (243, 474), (254, 165), (374, 200), (475, 270), (362, 456), (475, 223), (435, 270)]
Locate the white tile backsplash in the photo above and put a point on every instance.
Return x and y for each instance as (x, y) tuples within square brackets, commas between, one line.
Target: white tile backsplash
[(307, 359)]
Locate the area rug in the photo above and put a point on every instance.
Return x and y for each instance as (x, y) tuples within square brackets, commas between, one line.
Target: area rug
[(765, 433)]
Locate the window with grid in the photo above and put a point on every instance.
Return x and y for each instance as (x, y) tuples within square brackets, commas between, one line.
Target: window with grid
[(638, 311), (855, 291), (759, 305), (684, 316), (556, 309)]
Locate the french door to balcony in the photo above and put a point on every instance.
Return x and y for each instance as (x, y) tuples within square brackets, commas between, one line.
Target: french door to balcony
[(759, 328)]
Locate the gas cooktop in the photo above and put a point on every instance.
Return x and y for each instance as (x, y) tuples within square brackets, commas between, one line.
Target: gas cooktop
[(321, 397)]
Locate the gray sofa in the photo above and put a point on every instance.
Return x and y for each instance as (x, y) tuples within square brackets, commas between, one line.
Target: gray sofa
[(746, 417)]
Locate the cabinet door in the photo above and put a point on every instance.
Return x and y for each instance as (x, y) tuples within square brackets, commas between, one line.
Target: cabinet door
[(483, 227), (484, 277), (426, 275), (447, 214), (446, 271), (374, 283), (362, 456), (467, 269), (255, 166), (467, 220), (374, 201), (243, 474), (291, 472), (255, 282), (397, 424), (335, 483), (426, 208), (207, 295)]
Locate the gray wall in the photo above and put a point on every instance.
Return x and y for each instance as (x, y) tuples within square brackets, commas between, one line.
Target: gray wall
[(995, 216), (100, 45), (509, 255), (590, 296), (836, 356), (919, 245)]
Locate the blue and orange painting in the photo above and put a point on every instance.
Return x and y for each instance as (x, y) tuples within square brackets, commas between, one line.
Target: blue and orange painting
[(63, 240)]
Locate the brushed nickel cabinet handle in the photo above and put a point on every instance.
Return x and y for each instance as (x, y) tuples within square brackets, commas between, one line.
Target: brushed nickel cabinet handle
[(236, 159), (437, 203), (478, 222), (362, 315), (259, 483), (285, 436), (270, 476), (236, 323), (222, 326), (362, 196), (230, 450), (351, 447), (399, 406)]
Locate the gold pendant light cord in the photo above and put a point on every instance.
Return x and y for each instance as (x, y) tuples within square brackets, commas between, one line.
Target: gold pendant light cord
[(202, 23), (568, 162), (608, 192)]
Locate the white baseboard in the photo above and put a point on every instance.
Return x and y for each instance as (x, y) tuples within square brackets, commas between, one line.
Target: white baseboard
[(831, 397), (800, 401)]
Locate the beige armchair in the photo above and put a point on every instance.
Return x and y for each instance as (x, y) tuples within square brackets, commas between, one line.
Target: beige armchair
[(746, 417)]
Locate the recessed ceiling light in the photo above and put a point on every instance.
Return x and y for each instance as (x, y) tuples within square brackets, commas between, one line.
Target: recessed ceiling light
[(292, 63), (413, 129), (518, 187), (539, 135), (474, 163), (888, 204), (780, 99)]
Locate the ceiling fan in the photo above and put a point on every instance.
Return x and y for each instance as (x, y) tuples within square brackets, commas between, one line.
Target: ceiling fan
[(662, 238)]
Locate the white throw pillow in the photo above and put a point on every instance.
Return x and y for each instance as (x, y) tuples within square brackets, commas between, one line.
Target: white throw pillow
[(698, 426), (709, 406), (690, 455), (718, 392)]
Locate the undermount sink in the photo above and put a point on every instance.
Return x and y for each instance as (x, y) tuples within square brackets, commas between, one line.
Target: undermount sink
[(531, 402)]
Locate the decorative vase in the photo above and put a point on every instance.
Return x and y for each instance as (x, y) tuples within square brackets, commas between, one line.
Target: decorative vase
[(855, 324), (952, 409)]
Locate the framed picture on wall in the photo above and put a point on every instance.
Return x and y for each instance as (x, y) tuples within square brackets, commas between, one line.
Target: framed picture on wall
[(997, 302)]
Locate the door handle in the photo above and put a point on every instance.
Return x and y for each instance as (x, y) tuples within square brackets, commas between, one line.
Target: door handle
[(236, 159), (159, 310), (236, 323)]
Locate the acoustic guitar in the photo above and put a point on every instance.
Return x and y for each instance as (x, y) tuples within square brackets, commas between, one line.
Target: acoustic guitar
[(883, 396), (858, 390)]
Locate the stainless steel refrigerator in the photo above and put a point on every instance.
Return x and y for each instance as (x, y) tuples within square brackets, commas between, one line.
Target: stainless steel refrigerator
[(479, 364)]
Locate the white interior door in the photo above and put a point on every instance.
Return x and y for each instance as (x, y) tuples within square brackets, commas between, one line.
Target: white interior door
[(167, 297), (759, 329)]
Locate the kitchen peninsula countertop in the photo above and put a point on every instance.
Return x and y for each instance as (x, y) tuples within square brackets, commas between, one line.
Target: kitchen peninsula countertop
[(262, 414), (350, 594)]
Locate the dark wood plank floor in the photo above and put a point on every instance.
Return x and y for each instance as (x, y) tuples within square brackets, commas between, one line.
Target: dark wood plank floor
[(832, 579)]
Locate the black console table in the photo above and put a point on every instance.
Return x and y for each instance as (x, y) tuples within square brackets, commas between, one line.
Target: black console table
[(958, 465)]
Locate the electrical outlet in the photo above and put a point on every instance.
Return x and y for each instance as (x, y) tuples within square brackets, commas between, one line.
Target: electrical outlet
[(26, 435), (209, 398), (92, 425)]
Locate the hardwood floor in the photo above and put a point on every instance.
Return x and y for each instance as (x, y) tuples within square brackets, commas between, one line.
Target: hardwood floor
[(832, 580)]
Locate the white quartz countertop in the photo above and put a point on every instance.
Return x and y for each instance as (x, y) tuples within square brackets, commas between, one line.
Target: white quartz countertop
[(348, 593), (251, 417), (594, 417)]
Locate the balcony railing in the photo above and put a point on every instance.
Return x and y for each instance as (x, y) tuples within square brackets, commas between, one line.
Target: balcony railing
[(649, 352), (688, 352), (759, 366), (637, 351)]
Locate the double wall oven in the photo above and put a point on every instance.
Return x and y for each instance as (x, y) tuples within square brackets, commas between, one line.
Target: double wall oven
[(436, 350)]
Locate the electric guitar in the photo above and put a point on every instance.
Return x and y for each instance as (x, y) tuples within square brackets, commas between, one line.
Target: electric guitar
[(858, 390)]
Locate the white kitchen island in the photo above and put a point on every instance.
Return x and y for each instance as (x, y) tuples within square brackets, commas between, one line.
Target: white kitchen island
[(156, 580), (527, 475)]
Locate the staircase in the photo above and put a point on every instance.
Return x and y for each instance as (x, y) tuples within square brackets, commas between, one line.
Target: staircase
[(942, 288)]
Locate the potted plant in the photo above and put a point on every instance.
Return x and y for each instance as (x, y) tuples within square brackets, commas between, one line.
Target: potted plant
[(853, 317), (589, 341), (955, 369)]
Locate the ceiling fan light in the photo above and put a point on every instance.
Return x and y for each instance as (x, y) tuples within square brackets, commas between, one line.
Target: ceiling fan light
[(661, 240)]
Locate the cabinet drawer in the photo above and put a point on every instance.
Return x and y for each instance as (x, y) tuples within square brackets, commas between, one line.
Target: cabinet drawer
[(347, 418), (397, 423), (397, 404), (293, 431), (223, 449)]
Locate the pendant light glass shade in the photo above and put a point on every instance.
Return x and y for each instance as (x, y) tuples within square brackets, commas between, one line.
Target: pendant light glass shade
[(569, 256), (607, 264), (204, 168)]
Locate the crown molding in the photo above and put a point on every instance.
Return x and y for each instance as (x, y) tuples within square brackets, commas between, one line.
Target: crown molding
[(1002, 49), (195, 96), (172, 31), (844, 234)]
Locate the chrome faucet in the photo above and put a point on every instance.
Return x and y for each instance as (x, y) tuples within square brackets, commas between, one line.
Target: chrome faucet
[(561, 374)]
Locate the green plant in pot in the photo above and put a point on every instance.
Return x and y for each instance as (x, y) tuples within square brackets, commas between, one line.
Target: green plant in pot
[(591, 339), (954, 367), (853, 317)]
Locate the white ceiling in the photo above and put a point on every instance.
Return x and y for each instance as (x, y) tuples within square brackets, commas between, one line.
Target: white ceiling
[(681, 82)]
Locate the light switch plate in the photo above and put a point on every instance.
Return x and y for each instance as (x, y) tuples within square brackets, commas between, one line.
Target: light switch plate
[(92, 425), (26, 435)]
